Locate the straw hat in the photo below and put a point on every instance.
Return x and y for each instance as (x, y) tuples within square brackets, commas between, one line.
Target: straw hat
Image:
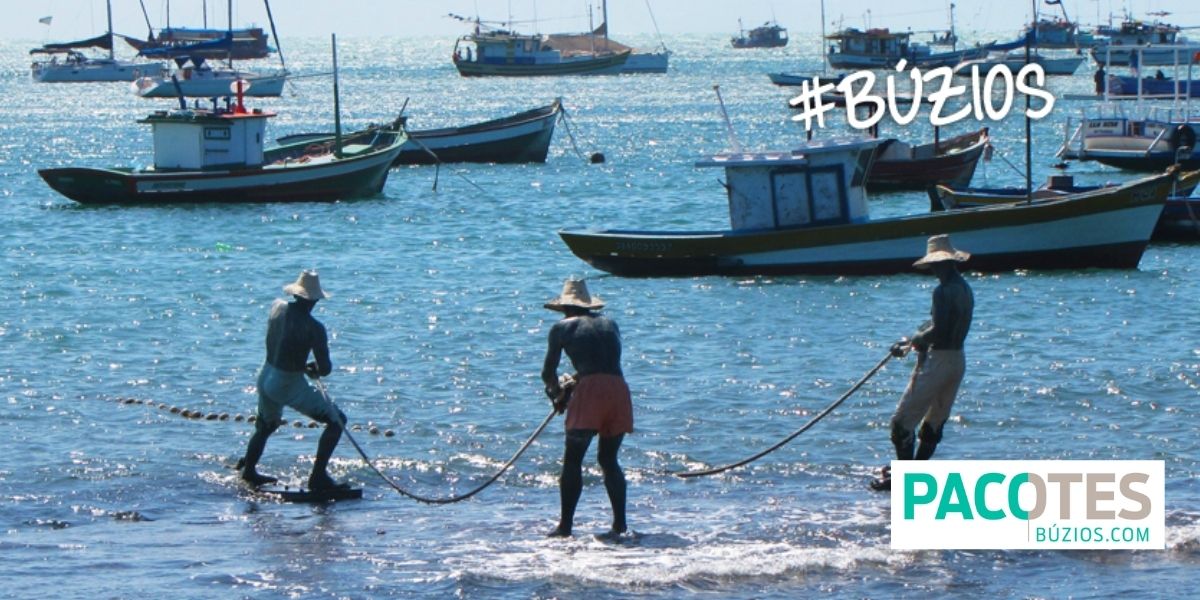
[(307, 286), (938, 249), (575, 293)]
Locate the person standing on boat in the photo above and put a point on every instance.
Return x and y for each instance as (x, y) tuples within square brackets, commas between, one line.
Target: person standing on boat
[(1100, 79), (940, 361), (293, 333), (598, 404)]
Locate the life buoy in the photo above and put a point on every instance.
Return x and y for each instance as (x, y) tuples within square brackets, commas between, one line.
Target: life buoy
[(1183, 137)]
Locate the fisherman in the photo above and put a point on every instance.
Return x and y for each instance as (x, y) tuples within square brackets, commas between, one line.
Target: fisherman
[(599, 402), (1099, 78), (940, 363), (292, 333)]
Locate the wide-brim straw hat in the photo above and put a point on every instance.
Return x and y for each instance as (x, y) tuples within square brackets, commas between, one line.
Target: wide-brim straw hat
[(307, 286), (575, 293), (938, 249)]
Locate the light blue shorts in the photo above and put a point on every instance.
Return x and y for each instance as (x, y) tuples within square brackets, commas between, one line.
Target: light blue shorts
[(278, 388)]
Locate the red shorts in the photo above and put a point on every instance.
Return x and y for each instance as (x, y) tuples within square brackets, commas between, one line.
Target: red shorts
[(601, 402)]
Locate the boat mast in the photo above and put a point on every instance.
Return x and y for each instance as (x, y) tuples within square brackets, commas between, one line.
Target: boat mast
[(278, 46), (953, 36), (229, 33), (204, 7), (111, 56), (146, 15), (337, 108), (604, 11), (1028, 121), (824, 58)]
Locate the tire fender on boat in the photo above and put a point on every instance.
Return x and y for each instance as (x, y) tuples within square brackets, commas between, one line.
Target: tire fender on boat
[(1183, 137)]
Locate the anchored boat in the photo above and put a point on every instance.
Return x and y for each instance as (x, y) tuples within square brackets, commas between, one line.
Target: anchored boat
[(520, 138), (806, 212)]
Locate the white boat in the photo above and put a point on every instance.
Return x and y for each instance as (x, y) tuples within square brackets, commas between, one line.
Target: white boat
[(1015, 61), (204, 81), (66, 64)]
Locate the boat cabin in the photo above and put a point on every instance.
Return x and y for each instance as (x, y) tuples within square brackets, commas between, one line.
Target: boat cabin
[(820, 183), (873, 48), (1139, 33), (201, 139), (506, 48)]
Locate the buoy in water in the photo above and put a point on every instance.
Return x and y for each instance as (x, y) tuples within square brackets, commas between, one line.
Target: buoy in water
[(596, 158)]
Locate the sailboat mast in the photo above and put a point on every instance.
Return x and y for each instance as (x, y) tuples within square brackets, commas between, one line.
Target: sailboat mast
[(337, 107), (1028, 121), (111, 56), (278, 46), (230, 33), (604, 11)]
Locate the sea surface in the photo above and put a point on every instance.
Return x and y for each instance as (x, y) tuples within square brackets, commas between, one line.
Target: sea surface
[(114, 316)]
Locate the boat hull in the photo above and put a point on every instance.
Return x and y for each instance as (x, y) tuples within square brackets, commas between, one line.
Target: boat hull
[(955, 165), (601, 65), (261, 86), (1105, 229), (322, 182), (95, 70), (520, 138)]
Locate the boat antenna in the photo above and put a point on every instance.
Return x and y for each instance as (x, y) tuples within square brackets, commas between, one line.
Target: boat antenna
[(733, 141), (278, 45), (337, 109)]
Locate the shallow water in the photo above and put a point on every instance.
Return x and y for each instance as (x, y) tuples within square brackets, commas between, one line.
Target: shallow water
[(438, 334)]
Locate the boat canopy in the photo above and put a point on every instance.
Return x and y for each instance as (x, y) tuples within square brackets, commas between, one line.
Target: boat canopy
[(185, 50), (104, 42)]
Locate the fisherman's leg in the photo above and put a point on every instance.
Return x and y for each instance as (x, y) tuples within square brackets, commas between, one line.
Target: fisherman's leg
[(267, 419), (929, 435), (614, 480), (947, 372), (320, 479), (570, 481), (911, 409), (254, 451)]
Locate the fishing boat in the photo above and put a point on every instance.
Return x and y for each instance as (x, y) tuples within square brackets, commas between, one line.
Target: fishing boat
[(1110, 136), (767, 35), (520, 138), (597, 43), (1015, 61), (218, 156), (64, 63), (1179, 220), (884, 49), (492, 52), (806, 212), (899, 165), (1141, 44)]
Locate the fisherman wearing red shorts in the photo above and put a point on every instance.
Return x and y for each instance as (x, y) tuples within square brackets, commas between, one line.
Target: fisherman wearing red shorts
[(598, 404)]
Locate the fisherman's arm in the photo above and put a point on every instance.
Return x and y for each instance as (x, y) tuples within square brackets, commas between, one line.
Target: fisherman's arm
[(321, 366), (554, 348)]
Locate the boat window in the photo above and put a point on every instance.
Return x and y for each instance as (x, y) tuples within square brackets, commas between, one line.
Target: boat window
[(828, 196), (216, 133)]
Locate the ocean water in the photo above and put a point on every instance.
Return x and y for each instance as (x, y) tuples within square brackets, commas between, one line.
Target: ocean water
[(438, 332)]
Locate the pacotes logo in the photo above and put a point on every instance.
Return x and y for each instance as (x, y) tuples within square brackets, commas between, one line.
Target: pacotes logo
[(1027, 504)]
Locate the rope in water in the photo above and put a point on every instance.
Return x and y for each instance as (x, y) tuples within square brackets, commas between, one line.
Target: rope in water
[(781, 443), (199, 415), (449, 499)]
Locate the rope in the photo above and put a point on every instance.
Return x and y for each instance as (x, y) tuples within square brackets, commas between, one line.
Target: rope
[(807, 426), (570, 134), (450, 499), (1009, 163)]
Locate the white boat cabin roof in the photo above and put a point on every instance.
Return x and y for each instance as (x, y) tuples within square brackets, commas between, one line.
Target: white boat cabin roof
[(795, 157)]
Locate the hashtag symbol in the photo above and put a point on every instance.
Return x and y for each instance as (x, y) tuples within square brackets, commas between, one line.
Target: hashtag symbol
[(811, 103)]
